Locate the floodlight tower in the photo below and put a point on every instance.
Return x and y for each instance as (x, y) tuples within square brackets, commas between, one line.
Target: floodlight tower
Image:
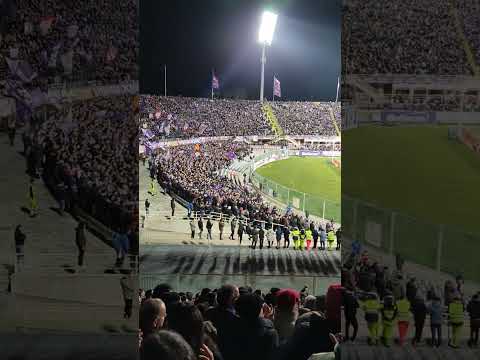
[(265, 36)]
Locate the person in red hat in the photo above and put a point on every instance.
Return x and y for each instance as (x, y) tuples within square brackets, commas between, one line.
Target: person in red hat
[(286, 313)]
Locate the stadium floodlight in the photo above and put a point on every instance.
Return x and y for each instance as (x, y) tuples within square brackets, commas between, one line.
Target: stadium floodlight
[(267, 28), (265, 37)]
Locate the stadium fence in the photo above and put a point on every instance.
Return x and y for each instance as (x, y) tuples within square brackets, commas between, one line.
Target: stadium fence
[(440, 247), (312, 204), (317, 285)]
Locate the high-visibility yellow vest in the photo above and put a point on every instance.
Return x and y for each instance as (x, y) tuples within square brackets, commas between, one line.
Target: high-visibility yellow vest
[(295, 234), (455, 312), (331, 236), (371, 306), (308, 234), (403, 307)]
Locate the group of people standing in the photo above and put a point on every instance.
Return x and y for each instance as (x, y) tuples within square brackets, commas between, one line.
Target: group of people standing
[(390, 301), (263, 234)]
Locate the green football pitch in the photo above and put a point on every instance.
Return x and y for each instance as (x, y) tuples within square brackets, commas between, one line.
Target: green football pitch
[(425, 178), (317, 177)]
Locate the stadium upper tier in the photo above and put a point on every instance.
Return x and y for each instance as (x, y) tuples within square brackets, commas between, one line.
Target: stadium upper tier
[(179, 117), (97, 40), (307, 118), (410, 37)]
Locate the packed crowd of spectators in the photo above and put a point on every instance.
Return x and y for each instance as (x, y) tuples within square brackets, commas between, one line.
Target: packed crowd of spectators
[(62, 41), (394, 298), (195, 176), (86, 153), (407, 37), (237, 323), (307, 118), (468, 11), (178, 117), (181, 117)]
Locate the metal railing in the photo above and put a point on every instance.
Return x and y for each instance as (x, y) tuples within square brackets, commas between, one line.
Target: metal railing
[(305, 202), (317, 285), (440, 247)]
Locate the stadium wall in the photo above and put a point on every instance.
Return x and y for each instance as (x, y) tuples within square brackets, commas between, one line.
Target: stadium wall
[(440, 247), (353, 118)]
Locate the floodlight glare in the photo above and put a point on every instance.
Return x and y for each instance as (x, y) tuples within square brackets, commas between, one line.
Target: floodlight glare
[(267, 27)]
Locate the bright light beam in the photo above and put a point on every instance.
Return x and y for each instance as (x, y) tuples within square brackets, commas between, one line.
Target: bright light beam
[(267, 28)]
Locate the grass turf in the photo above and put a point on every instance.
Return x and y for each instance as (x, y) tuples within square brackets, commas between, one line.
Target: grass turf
[(312, 175), (418, 172)]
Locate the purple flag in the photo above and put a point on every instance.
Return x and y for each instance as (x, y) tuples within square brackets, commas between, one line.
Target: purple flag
[(276, 87), (215, 83)]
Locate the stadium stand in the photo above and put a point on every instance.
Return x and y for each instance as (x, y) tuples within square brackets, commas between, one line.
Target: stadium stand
[(194, 174), (178, 117), (58, 40), (408, 44)]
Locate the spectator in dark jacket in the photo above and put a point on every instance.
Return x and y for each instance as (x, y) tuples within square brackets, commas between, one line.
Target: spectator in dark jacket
[(256, 336), (419, 310), (473, 309), (350, 307), (311, 336), (225, 320)]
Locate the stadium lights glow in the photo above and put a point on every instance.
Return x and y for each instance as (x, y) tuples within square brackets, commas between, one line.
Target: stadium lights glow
[(267, 28)]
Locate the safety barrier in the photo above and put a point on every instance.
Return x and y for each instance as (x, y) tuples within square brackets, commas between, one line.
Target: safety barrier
[(317, 285), (312, 204), (439, 247)]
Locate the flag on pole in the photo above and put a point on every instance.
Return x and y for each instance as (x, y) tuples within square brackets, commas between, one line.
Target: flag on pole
[(276, 87), (338, 88), (215, 83)]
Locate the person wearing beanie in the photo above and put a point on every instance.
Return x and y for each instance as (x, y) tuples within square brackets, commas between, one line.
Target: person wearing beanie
[(286, 313)]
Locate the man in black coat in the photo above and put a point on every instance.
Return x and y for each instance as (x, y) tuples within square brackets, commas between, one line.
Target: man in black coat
[(224, 318), (256, 337)]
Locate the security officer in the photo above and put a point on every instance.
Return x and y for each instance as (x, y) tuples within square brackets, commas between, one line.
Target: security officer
[(152, 190), (309, 237), (403, 316), (296, 238), (389, 315), (371, 306), (302, 238), (330, 238), (455, 319)]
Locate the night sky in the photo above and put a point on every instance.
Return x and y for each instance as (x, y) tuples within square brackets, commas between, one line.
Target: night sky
[(193, 36)]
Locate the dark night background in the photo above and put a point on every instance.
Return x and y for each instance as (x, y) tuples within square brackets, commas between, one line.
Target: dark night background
[(194, 36)]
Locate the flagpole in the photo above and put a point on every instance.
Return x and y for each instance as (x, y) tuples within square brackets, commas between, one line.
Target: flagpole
[(338, 87), (273, 90), (165, 82)]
